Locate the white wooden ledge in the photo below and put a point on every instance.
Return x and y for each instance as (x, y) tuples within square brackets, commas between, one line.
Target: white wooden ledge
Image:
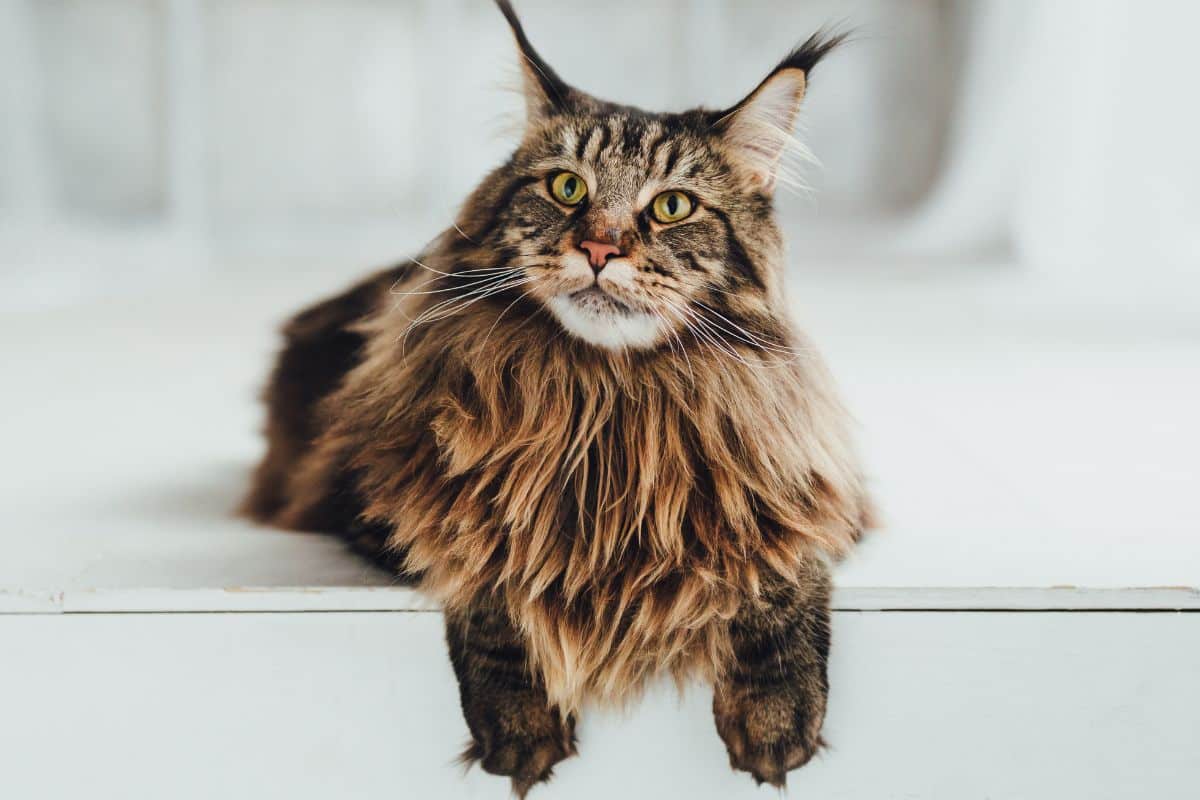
[(251, 599), (1029, 454), (1028, 450)]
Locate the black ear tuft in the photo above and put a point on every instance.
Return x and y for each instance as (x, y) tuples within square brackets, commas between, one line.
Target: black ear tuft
[(808, 54), (546, 93), (759, 128)]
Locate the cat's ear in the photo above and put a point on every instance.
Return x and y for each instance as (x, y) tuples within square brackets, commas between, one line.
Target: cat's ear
[(758, 129), (546, 94)]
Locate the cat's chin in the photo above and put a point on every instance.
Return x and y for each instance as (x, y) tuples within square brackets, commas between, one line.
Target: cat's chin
[(600, 319)]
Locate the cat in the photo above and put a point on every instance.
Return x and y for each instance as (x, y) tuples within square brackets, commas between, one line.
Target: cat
[(582, 421)]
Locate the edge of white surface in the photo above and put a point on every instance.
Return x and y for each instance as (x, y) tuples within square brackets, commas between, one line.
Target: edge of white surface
[(303, 599)]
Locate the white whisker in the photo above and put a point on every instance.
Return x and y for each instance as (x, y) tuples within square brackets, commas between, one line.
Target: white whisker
[(463, 234), (748, 337), (458, 304), (475, 282), (500, 316)]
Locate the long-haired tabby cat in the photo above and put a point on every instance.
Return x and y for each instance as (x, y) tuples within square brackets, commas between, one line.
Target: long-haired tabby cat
[(582, 421)]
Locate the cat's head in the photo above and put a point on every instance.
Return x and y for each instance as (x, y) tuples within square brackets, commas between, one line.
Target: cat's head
[(635, 229)]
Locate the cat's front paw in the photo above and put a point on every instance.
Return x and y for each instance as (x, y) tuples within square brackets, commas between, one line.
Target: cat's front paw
[(523, 742), (768, 733)]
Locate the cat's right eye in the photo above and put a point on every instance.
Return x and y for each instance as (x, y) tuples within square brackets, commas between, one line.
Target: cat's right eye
[(568, 188)]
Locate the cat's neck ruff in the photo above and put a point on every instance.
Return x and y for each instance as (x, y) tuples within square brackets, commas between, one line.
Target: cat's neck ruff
[(622, 504)]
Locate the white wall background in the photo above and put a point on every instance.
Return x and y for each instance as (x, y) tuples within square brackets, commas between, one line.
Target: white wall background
[(148, 136), (152, 138)]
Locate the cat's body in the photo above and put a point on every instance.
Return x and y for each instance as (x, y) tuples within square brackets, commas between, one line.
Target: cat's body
[(582, 421)]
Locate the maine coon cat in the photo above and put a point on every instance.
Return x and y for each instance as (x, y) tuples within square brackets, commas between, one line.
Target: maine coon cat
[(582, 421)]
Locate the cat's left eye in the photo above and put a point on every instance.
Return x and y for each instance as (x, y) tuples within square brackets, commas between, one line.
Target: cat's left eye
[(568, 188), (671, 207)]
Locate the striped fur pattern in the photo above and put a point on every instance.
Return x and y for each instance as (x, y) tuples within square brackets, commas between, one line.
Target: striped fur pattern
[(592, 508)]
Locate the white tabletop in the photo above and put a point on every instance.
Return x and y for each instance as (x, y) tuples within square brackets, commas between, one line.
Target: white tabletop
[(1028, 449)]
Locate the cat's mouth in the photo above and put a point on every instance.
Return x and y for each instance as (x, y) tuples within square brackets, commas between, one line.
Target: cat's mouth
[(597, 315), (595, 300)]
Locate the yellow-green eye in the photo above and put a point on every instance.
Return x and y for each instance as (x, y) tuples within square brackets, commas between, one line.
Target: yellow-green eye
[(672, 207), (568, 188)]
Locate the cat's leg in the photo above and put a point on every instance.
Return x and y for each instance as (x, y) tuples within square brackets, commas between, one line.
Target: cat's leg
[(514, 731), (770, 704)]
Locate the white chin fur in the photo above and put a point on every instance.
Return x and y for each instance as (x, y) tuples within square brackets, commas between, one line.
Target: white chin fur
[(614, 330)]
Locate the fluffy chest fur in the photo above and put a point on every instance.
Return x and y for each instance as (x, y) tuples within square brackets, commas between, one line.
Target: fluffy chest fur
[(582, 420), (622, 507)]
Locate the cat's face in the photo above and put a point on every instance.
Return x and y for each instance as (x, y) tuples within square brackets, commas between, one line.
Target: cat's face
[(633, 229), (629, 221)]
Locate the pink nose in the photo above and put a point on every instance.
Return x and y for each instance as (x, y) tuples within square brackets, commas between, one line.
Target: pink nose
[(599, 253)]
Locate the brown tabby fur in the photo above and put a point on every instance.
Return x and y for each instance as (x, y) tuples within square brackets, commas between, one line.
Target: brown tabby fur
[(605, 515)]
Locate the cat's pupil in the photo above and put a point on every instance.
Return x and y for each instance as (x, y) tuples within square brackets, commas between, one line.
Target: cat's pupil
[(672, 204), (569, 187)]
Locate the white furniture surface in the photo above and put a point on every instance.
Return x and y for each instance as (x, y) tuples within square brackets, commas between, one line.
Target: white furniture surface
[(945, 706), (1031, 452)]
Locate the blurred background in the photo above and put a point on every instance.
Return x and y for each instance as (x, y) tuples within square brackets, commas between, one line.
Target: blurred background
[(999, 251), (144, 140), (999, 254)]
